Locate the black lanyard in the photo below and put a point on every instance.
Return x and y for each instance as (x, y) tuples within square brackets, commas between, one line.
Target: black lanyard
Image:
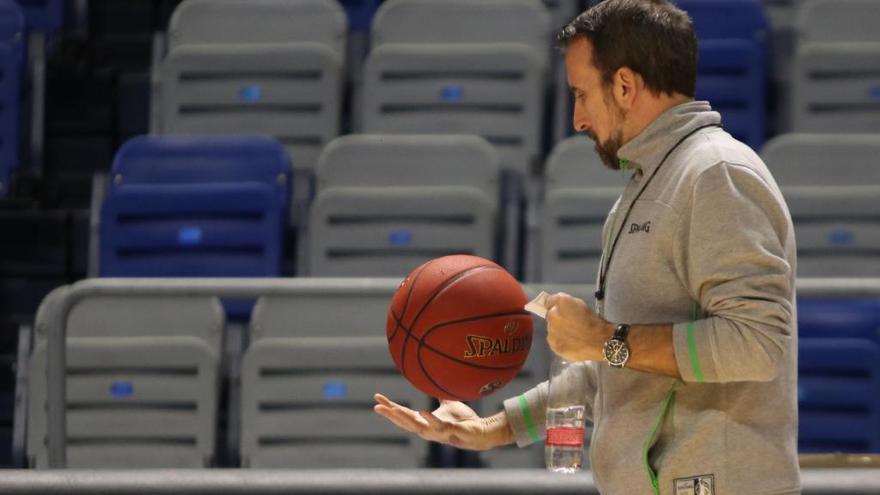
[(603, 273)]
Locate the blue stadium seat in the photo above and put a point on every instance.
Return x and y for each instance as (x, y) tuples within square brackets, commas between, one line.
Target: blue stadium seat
[(196, 207), (732, 71), (43, 15), (839, 318), (11, 62), (839, 404), (360, 13)]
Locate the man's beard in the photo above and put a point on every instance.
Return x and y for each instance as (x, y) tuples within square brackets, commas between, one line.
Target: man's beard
[(608, 149)]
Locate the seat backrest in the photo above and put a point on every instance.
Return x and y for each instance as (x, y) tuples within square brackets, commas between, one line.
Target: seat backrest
[(234, 22), (832, 186), (833, 21), (849, 317), (579, 193), (316, 359), (824, 160), (142, 382), (11, 60), (460, 67), (400, 161), (839, 408), (157, 160), (331, 307), (732, 70), (258, 67), (386, 204), (725, 19), (196, 207), (835, 83), (462, 21), (12, 21), (43, 15)]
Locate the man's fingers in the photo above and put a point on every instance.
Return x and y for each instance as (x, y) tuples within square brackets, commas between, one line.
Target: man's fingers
[(385, 401), (433, 422), (405, 419)]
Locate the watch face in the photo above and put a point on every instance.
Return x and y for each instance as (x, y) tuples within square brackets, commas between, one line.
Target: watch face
[(616, 352)]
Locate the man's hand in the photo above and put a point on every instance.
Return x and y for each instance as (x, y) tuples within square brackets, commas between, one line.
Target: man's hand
[(453, 423), (574, 331)]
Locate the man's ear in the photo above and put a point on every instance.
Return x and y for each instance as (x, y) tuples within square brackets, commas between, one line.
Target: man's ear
[(627, 85)]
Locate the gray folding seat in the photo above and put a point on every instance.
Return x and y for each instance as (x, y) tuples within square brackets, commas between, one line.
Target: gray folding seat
[(832, 185), (315, 360), (257, 66), (142, 382), (460, 67), (387, 203), (579, 193), (836, 86)]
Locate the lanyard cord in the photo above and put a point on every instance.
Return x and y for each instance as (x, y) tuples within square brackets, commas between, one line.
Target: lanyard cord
[(600, 293)]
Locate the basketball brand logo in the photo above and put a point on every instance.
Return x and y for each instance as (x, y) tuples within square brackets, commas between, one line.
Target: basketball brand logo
[(479, 346), (511, 327)]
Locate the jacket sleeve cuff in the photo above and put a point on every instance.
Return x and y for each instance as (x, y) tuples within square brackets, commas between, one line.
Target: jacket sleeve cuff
[(526, 415), (688, 353)]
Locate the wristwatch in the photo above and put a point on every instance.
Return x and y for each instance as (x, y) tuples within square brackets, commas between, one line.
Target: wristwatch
[(616, 349)]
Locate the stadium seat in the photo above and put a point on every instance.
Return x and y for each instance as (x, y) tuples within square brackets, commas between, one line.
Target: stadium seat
[(732, 70), (196, 207), (309, 376), (579, 192), (839, 407), (386, 204), (850, 317), (263, 66), (142, 382), (43, 15), (11, 70), (836, 84), (460, 67), (360, 13), (832, 185)]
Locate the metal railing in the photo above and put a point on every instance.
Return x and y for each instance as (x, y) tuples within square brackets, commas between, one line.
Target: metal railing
[(362, 482)]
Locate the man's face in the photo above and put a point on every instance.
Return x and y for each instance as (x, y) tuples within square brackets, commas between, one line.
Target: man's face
[(595, 112)]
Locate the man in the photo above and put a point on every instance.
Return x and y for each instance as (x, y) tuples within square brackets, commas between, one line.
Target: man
[(693, 342)]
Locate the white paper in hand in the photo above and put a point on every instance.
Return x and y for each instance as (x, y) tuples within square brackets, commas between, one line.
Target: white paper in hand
[(537, 306)]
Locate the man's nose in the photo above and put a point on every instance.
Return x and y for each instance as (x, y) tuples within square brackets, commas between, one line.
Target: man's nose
[(580, 122)]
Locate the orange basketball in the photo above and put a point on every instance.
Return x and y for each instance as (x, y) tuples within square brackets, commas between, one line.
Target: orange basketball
[(457, 328)]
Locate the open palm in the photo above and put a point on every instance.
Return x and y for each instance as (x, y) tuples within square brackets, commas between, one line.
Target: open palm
[(452, 423)]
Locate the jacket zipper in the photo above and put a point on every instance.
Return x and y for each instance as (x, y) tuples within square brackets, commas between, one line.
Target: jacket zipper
[(652, 476)]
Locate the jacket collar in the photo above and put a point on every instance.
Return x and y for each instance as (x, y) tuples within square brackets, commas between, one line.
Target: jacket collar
[(644, 152)]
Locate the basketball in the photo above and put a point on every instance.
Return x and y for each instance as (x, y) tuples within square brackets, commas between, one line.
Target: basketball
[(457, 329)]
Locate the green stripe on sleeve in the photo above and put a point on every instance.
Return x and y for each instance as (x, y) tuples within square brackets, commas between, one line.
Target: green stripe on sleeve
[(527, 418), (692, 347)]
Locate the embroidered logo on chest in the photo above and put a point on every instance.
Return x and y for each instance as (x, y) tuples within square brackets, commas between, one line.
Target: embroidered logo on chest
[(703, 484), (636, 228)]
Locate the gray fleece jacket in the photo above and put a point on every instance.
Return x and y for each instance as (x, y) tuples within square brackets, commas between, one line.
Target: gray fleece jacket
[(710, 248)]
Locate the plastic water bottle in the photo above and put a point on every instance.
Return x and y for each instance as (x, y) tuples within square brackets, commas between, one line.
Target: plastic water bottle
[(564, 445)]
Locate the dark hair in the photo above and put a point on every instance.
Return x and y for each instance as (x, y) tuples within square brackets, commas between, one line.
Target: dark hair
[(652, 37)]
